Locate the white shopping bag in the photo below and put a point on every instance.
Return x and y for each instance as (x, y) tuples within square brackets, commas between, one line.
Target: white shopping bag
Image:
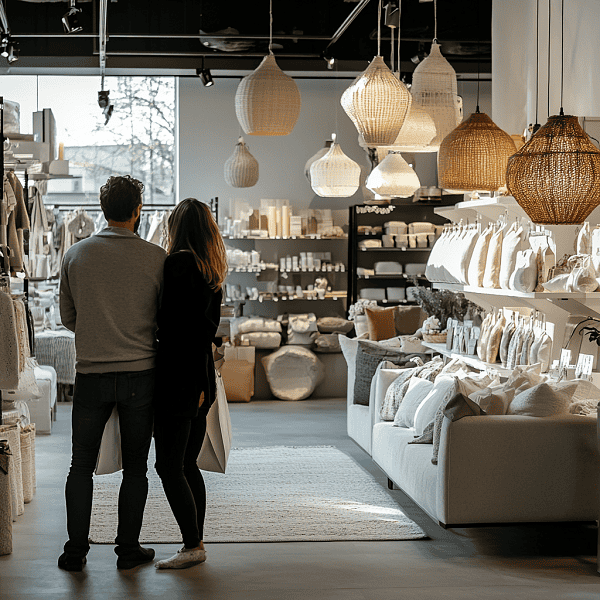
[(110, 459), (217, 441)]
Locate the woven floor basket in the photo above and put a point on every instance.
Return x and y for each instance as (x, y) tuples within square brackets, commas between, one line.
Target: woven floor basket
[(241, 168), (28, 462), (377, 103), (555, 176), (267, 101), (11, 433), (5, 506), (474, 156)]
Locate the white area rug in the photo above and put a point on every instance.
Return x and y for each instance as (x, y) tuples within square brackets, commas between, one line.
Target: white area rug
[(272, 494)]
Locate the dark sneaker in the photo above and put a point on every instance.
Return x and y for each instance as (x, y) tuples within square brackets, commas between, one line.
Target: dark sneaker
[(71, 563), (137, 557)]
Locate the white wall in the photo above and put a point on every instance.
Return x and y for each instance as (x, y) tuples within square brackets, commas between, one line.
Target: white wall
[(208, 131)]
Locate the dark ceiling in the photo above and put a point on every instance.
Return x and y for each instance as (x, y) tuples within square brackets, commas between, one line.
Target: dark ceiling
[(165, 34)]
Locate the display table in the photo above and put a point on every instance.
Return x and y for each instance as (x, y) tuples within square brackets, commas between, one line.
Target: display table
[(57, 349)]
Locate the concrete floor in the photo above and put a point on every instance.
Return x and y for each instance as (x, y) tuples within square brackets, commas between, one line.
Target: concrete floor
[(543, 562)]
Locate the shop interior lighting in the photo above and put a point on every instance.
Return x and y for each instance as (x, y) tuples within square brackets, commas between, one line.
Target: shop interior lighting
[(205, 75), (70, 19)]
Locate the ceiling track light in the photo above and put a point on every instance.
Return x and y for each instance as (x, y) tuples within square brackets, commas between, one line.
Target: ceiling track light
[(10, 50), (205, 75), (70, 19)]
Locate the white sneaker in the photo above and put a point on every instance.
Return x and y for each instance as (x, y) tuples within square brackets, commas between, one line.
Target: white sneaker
[(183, 559)]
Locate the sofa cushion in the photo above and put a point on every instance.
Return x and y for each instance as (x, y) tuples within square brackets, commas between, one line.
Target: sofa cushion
[(418, 389), (368, 356), (381, 323), (443, 387), (394, 394)]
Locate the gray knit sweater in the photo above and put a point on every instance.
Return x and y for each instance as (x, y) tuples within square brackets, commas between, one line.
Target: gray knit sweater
[(110, 290)]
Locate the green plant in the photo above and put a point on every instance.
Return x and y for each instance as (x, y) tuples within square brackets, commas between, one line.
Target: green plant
[(444, 304)]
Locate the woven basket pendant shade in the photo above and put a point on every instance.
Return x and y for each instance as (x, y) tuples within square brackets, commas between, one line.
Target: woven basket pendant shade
[(267, 101), (320, 154), (377, 103), (335, 175), (241, 168), (474, 156), (393, 177), (417, 132), (434, 88), (555, 176)]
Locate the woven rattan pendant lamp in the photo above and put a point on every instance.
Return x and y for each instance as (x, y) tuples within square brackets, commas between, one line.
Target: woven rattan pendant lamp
[(555, 176), (320, 154), (434, 89), (393, 177), (335, 175), (241, 168), (267, 101), (377, 102)]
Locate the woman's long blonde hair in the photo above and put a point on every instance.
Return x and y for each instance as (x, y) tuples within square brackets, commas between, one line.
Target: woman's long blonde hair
[(192, 227)]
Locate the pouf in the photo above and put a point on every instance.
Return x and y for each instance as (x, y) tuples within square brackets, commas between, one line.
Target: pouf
[(11, 433), (293, 372)]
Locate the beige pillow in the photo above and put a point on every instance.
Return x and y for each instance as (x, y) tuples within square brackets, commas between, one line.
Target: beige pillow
[(382, 323), (476, 269), (507, 335), (525, 274), (418, 389), (493, 345), (511, 244), (484, 336), (491, 278)]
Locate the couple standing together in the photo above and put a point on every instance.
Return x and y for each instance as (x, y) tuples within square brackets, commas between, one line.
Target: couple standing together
[(144, 323)]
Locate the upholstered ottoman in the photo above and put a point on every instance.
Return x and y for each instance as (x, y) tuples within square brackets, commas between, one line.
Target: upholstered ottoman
[(43, 409)]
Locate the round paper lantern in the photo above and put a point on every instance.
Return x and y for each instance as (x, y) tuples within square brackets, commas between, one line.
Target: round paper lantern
[(320, 154), (474, 156), (241, 168), (417, 132), (555, 176), (267, 101), (393, 177), (335, 175), (434, 89), (377, 103)]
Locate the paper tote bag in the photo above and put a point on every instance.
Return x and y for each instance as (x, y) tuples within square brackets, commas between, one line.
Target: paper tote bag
[(217, 441), (110, 457)]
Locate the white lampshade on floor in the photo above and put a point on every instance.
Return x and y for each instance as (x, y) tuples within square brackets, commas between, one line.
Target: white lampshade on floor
[(335, 175), (393, 178), (377, 103)]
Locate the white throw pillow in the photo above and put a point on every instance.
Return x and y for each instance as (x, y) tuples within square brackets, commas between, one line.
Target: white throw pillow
[(493, 400), (417, 391), (384, 376), (444, 386)]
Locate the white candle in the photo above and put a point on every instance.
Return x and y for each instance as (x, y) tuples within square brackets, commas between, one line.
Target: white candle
[(272, 215), (285, 220)]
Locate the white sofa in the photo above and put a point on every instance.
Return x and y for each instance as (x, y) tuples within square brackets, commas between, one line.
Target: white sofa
[(491, 469)]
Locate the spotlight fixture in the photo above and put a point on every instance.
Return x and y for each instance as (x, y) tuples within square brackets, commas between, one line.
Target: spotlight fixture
[(70, 19), (105, 105), (13, 53), (4, 43), (330, 60), (205, 75)]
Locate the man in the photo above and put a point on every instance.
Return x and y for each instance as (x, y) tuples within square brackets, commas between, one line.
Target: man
[(109, 294)]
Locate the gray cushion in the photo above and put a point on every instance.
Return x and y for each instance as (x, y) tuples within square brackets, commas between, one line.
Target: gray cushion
[(368, 356)]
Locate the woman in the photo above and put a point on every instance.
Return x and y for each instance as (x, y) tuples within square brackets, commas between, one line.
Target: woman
[(188, 318)]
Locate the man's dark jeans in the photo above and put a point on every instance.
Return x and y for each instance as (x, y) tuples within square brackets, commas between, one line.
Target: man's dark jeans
[(94, 397)]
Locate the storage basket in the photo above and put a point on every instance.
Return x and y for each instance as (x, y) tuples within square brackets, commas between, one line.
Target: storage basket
[(435, 338), (12, 435)]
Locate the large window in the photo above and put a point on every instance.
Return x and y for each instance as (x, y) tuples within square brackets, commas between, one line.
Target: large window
[(139, 138)]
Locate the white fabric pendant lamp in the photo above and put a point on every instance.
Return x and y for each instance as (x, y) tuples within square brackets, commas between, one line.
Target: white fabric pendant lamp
[(376, 101), (320, 154), (267, 101), (241, 168), (335, 175), (393, 177)]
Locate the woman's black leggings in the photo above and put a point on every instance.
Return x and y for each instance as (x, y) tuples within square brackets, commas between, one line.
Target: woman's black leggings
[(178, 442)]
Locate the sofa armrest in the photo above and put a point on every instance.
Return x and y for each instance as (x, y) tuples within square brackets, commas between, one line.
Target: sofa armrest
[(513, 468)]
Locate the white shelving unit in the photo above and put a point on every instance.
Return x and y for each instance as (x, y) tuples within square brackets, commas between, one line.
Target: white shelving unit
[(556, 306)]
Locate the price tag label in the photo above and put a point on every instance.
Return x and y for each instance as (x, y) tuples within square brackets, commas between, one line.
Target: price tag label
[(583, 370), (565, 359)]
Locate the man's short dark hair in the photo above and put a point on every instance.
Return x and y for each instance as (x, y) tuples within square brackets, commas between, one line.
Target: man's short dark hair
[(120, 196)]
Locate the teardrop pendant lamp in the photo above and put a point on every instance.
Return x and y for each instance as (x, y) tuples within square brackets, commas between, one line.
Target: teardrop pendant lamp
[(434, 89), (417, 133), (555, 176), (474, 156), (377, 102), (335, 175), (267, 101), (241, 168), (320, 154), (393, 177)]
